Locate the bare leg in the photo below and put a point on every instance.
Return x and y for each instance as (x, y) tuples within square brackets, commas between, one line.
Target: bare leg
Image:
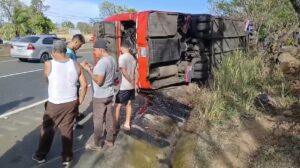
[(128, 114), (117, 114)]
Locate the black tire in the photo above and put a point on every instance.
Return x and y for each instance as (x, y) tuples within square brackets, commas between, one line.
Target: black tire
[(200, 75), (202, 34), (201, 66), (203, 27), (204, 18), (202, 59), (201, 45), (23, 59), (44, 57)]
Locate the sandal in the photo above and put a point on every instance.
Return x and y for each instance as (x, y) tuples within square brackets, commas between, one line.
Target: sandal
[(93, 147), (109, 144), (125, 128)]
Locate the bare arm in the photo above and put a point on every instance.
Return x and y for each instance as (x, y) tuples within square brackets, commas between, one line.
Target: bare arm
[(83, 85), (98, 79), (136, 77), (47, 69), (127, 77)]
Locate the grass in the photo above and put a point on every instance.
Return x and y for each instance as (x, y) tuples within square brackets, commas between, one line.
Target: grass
[(236, 83)]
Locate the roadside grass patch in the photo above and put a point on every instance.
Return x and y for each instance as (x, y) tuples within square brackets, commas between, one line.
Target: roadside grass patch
[(236, 83)]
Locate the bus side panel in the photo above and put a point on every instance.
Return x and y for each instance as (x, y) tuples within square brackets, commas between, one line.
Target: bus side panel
[(142, 44)]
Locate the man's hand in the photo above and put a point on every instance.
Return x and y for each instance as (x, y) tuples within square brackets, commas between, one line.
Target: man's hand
[(87, 66)]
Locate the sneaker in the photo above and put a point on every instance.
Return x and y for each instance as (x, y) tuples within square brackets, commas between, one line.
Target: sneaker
[(39, 160), (66, 164)]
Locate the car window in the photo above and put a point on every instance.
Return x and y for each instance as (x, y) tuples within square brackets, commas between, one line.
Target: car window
[(48, 40), (30, 39)]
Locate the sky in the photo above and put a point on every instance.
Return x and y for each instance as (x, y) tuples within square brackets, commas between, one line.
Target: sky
[(83, 10)]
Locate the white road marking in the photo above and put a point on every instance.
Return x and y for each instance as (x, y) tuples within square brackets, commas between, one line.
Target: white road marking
[(5, 115), (5, 76), (9, 60)]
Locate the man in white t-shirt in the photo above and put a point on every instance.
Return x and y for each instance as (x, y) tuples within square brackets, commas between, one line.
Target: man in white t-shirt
[(127, 66)]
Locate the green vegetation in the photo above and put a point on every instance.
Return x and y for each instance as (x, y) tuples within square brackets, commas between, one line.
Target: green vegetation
[(85, 27), (237, 82), (21, 19), (107, 8), (268, 15), (68, 24)]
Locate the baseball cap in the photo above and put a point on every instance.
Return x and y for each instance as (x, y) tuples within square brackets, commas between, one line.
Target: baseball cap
[(100, 43)]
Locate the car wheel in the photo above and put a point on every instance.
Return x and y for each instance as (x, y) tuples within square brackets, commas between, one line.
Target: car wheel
[(23, 59), (200, 74), (202, 34), (201, 66), (44, 57)]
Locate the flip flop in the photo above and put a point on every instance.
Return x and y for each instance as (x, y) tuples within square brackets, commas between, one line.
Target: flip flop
[(125, 128), (93, 147)]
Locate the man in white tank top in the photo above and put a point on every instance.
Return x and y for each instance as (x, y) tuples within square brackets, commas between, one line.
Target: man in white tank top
[(62, 74)]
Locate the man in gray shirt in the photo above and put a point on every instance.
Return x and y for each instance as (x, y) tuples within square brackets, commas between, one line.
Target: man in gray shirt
[(103, 75)]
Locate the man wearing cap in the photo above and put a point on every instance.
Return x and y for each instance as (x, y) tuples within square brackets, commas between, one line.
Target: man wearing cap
[(103, 75), (62, 74)]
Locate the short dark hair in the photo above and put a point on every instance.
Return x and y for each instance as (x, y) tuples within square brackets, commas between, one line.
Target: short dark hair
[(79, 37), (125, 45)]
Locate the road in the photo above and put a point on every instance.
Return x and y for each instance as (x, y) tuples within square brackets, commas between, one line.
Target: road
[(23, 84)]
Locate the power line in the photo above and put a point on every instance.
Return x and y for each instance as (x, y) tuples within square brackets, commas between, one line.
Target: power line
[(60, 14)]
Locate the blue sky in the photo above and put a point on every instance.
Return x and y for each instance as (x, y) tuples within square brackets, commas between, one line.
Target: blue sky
[(82, 10)]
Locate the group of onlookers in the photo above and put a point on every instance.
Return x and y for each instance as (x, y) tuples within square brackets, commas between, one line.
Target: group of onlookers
[(67, 88)]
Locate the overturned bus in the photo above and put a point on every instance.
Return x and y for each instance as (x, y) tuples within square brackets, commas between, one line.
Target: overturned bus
[(172, 48)]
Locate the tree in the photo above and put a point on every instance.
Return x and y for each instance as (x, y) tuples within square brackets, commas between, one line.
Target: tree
[(84, 27), (107, 8), (68, 24), (268, 15), (23, 19), (38, 6), (7, 8)]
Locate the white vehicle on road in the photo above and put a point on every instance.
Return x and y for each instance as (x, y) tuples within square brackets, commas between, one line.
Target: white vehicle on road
[(33, 47)]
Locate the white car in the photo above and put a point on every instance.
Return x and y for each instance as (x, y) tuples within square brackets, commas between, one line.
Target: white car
[(33, 47)]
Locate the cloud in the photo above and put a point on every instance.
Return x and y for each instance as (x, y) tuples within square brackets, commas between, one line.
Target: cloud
[(70, 10)]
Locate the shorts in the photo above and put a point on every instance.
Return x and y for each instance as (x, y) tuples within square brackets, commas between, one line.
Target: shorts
[(124, 96)]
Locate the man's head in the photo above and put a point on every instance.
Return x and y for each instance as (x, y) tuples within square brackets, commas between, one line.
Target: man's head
[(59, 48), (125, 48), (100, 48), (77, 41)]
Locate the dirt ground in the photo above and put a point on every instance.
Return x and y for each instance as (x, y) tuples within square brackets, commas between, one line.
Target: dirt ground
[(257, 140)]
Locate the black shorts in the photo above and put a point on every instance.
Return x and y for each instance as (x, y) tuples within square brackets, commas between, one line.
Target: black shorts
[(124, 96)]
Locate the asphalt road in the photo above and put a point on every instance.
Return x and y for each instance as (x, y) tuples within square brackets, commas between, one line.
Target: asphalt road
[(23, 84)]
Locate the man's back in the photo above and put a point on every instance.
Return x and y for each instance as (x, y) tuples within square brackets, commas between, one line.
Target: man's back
[(128, 62), (62, 81)]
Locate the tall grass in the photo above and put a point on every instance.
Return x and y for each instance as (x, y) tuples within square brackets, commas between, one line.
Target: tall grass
[(234, 87), (236, 83)]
